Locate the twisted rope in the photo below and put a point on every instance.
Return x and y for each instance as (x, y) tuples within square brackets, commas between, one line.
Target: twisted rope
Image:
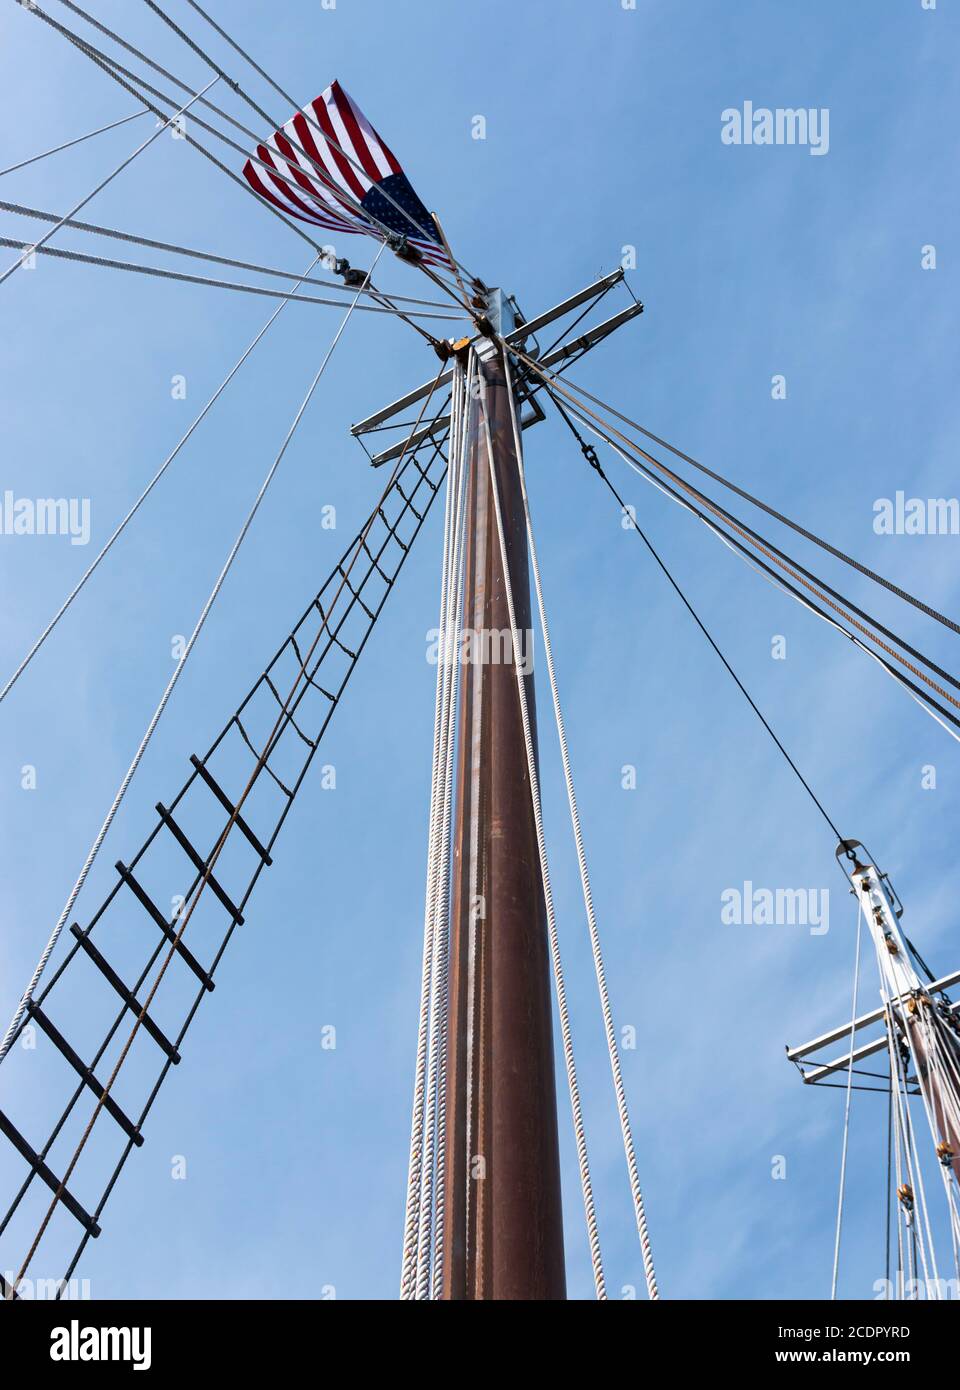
[(622, 1110), (418, 1129), (436, 1068), (586, 1185)]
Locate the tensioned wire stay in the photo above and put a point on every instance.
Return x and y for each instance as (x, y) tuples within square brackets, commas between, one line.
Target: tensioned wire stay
[(749, 497), (927, 703), (158, 272), (618, 441), (109, 179), (69, 144), (22, 211), (595, 463)]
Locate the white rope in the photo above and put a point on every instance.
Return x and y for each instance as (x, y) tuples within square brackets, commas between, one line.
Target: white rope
[(12, 168), (415, 1166), (846, 1111), (109, 179), (439, 1042), (563, 1011), (441, 891), (139, 502), (11, 1032), (613, 1051)]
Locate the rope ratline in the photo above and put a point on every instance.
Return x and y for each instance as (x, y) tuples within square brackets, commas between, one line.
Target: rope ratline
[(591, 455)]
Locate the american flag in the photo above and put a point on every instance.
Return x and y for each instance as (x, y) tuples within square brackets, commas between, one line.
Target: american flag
[(322, 180)]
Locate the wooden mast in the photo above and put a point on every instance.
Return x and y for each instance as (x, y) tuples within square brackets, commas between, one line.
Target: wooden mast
[(503, 1233)]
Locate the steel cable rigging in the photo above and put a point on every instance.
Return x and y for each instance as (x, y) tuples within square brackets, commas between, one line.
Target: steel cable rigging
[(21, 211), (752, 537), (158, 272), (598, 468), (778, 516), (104, 182)]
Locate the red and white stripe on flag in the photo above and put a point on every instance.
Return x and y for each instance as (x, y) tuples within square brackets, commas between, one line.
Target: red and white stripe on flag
[(324, 162)]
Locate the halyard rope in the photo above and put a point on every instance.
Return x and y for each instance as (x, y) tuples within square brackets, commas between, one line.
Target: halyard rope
[(420, 1138), (383, 305), (846, 1108), (746, 535), (154, 245), (436, 1069), (771, 511), (622, 1109), (554, 941)]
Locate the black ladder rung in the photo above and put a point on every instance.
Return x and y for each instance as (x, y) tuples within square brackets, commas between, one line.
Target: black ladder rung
[(224, 800), (176, 941), (84, 1072), (130, 999), (197, 862), (41, 1169)]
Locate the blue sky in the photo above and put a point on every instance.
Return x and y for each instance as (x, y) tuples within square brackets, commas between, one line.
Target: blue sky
[(602, 131)]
